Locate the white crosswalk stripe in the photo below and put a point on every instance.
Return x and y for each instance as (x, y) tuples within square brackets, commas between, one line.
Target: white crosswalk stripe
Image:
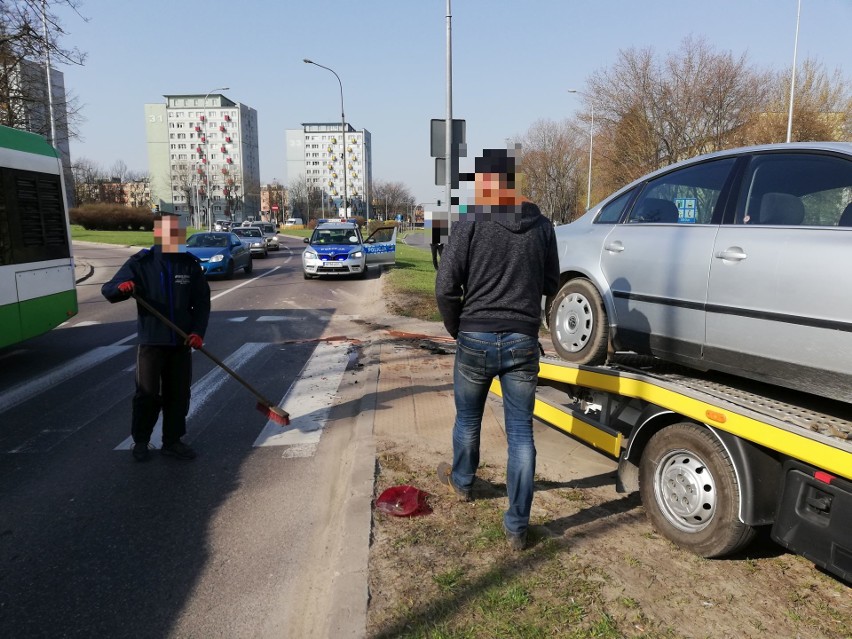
[(308, 401)]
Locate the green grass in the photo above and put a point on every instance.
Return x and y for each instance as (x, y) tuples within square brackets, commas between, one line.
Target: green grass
[(123, 238), (412, 281)]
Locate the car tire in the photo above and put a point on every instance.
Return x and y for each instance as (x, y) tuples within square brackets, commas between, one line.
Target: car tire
[(690, 492), (229, 270), (579, 328), (247, 269), (307, 275), (364, 272)]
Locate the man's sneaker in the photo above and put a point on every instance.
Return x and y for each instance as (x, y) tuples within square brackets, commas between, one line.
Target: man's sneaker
[(141, 452), (445, 474), (517, 541), (178, 450)]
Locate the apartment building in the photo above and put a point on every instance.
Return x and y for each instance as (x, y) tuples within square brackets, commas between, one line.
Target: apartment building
[(333, 162), (203, 157)]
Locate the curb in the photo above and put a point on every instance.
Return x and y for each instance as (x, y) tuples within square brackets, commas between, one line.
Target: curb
[(89, 271)]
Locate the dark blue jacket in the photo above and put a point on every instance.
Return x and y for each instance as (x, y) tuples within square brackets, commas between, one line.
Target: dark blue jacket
[(174, 284)]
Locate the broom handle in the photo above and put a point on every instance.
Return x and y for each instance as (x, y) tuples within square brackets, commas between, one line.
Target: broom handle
[(165, 320)]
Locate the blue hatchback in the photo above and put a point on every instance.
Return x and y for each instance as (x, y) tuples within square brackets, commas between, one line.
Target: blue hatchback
[(220, 253)]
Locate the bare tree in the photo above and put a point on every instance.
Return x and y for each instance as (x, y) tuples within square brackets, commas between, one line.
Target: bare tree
[(822, 108), (391, 198), (87, 175), (23, 45), (550, 161), (298, 193)]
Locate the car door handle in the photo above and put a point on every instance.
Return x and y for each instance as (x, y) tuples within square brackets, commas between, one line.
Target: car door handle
[(733, 254), (615, 247)]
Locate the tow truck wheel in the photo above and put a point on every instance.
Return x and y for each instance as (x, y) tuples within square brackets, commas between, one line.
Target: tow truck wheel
[(690, 492), (578, 324)]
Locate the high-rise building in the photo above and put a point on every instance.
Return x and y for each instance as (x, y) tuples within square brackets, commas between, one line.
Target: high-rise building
[(25, 105), (203, 157), (320, 154)]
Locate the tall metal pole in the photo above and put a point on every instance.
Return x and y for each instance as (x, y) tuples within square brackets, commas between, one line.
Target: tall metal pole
[(448, 139), (793, 78), (47, 72), (591, 145), (343, 124), (591, 141)]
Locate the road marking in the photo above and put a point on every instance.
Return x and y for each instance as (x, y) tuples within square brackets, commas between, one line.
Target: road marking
[(277, 318), (28, 390), (202, 391), (309, 402), (241, 284), (237, 319)]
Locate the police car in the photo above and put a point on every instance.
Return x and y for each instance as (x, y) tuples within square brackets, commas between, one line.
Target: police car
[(337, 248)]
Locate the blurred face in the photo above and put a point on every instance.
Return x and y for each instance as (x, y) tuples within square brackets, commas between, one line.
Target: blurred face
[(170, 233), (494, 189)]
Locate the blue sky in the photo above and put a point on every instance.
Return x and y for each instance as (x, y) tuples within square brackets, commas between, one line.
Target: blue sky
[(513, 62)]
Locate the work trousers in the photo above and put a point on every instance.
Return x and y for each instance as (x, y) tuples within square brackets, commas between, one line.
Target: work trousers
[(163, 378)]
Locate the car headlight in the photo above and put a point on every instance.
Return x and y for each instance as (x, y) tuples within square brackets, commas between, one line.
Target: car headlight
[(310, 255), (357, 254), (217, 258), (255, 243)]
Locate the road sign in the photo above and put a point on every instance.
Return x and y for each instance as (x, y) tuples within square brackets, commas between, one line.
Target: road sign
[(439, 137)]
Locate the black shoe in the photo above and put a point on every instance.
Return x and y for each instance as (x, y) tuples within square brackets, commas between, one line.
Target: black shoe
[(445, 475), (517, 541), (141, 452), (178, 450)]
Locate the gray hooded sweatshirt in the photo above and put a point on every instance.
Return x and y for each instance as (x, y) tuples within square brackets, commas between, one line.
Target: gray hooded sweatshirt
[(492, 274)]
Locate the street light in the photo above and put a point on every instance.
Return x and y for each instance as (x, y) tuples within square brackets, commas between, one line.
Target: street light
[(591, 142), (793, 77), (343, 140), (207, 155)]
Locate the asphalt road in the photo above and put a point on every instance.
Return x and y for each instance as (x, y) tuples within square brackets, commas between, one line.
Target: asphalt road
[(231, 544)]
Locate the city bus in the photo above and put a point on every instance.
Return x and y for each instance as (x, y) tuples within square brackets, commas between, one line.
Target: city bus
[(37, 288)]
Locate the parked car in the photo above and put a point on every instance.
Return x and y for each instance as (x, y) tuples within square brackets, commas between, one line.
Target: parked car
[(294, 221), (253, 238), (220, 253), (733, 261), (270, 234), (337, 248)]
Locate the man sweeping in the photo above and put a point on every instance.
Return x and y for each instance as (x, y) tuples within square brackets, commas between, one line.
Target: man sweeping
[(171, 280)]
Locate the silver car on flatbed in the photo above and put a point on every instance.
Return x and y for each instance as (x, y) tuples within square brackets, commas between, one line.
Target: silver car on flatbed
[(737, 261)]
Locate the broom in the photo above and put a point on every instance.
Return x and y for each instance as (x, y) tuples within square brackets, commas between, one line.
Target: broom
[(272, 412)]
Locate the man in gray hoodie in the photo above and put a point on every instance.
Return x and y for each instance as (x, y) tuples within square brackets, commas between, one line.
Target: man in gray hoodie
[(500, 259)]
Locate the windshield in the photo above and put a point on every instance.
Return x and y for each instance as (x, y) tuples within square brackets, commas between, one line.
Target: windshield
[(248, 232), (200, 240), (334, 236)]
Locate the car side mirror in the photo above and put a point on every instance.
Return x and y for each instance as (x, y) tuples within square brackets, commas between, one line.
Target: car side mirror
[(306, 239)]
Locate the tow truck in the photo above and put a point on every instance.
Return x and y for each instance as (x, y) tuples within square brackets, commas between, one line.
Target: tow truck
[(713, 457)]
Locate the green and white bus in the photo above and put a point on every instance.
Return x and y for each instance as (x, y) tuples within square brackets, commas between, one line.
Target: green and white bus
[(37, 289)]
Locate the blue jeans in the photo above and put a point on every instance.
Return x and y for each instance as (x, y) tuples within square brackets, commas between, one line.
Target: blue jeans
[(514, 358)]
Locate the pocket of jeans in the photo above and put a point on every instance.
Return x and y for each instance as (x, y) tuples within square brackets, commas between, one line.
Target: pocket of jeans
[(525, 362), (470, 359)]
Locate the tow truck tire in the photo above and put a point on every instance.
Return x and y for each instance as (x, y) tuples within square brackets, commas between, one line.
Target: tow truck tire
[(578, 323), (690, 492)]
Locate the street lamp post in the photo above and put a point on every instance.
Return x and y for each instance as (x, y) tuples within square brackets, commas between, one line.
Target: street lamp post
[(343, 140), (207, 214), (591, 144), (793, 77)]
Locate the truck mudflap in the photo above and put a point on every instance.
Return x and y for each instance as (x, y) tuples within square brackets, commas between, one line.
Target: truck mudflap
[(815, 518)]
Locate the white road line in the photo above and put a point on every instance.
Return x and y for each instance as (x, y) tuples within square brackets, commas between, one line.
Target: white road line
[(27, 390), (201, 392), (241, 284), (308, 401)]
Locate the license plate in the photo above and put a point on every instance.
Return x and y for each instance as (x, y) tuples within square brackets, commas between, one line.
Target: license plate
[(333, 265)]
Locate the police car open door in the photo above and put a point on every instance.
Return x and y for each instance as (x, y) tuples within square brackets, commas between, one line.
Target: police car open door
[(380, 247)]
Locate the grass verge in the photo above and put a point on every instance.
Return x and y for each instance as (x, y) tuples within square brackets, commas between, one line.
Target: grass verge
[(411, 284), (122, 238)]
